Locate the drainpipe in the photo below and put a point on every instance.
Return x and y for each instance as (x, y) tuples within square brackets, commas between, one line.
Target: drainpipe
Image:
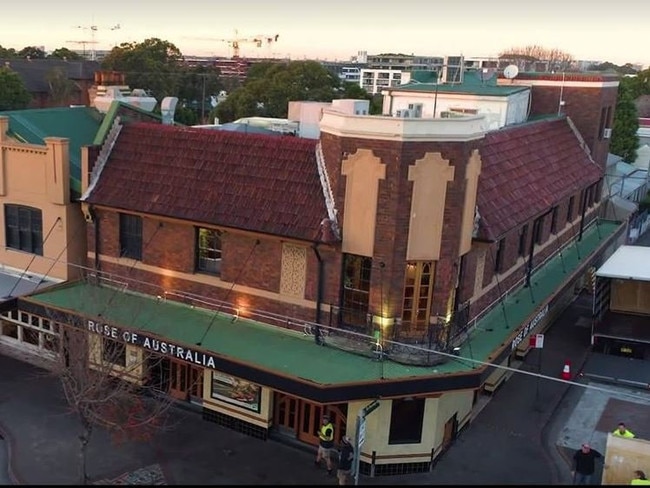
[(319, 292), (586, 196), (90, 209)]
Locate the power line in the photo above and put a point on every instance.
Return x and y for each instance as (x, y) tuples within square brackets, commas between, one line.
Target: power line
[(371, 340), (216, 313)]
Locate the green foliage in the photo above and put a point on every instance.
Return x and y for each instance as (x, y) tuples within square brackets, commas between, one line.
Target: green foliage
[(639, 84), (270, 86), (154, 65), (626, 123), (32, 52), (625, 69), (8, 53), (13, 94), (61, 87), (185, 115), (196, 85), (65, 53)]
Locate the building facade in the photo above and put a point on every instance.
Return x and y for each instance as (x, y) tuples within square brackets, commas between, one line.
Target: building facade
[(391, 260)]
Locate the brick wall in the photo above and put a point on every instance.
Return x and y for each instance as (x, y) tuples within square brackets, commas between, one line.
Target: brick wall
[(248, 261), (514, 267), (393, 213), (584, 107)]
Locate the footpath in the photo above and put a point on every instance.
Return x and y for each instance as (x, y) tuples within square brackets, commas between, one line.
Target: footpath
[(525, 434)]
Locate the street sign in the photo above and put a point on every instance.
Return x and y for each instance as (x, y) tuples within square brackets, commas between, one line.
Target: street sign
[(537, 341), (370, 408), (362, 432)]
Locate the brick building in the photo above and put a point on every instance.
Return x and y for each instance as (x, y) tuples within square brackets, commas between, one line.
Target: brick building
[(392, 259)]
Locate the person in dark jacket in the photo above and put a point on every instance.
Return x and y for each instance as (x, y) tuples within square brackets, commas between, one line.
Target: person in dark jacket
[(346, 456), (584, 464)]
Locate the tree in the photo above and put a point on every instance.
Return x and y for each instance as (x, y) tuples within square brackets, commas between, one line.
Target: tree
[(638, 84), (13, 94), (100, 382), (557, 59), (625, 69), (154, 65), (61, 87), (31, 52), (270, 86), (625, 140), (8, 53), (197, 85), (65, 53)]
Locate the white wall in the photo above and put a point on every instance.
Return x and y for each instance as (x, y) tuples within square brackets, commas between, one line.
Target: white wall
[(498, 111)]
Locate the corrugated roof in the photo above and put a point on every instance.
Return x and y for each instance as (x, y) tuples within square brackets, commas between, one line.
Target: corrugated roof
[(528, 169), (260, 183), (78, 124), (472, 85)]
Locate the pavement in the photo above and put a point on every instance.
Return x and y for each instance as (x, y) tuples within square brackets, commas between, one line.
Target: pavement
[(524, 434)]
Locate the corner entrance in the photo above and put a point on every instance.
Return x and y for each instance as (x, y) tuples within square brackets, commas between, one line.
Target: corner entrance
[(299, 419)]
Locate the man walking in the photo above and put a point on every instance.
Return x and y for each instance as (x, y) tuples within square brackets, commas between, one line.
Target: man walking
[(346, 456), (325, 443), (584, 464)]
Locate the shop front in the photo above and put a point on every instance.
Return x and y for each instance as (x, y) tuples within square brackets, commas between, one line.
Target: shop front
[(276, 395)]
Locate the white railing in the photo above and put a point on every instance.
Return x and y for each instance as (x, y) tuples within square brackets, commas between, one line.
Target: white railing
[(104, 153), (327, 188)]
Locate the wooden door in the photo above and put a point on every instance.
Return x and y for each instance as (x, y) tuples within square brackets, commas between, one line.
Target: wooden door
[(310, 422), (302, 419), (185, 380), (311, 415), (449, 435)]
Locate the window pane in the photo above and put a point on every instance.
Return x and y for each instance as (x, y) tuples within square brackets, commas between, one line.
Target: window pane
[(356, 287), (131, 236), (24, 228), (406, 421), (417, 289), (208, 248)]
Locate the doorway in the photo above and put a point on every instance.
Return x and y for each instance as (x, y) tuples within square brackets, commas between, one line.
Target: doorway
[(185, 380), (451, 429), (301, 420)]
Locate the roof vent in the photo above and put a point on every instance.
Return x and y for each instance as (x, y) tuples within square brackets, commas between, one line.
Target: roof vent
[(167, 110)]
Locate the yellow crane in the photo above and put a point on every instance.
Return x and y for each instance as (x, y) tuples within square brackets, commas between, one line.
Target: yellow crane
[(236, 41)]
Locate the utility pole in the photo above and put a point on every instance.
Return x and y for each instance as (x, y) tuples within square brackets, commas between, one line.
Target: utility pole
[(360, 436)]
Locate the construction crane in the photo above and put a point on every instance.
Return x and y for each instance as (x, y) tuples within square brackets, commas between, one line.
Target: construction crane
[(93, 30), (83, 45), (236, 41)]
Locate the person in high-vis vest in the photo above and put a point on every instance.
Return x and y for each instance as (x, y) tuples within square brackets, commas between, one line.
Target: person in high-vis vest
[(640, 478), (622, 431), (325, 443)]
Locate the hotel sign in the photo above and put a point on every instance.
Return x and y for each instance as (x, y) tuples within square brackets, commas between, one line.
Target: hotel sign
[(528, 328), (149, 343)]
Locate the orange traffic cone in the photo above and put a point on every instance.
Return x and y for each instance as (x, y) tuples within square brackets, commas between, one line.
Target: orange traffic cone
[(566, 371)]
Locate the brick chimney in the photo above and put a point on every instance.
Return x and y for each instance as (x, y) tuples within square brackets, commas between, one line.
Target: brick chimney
[(588, 99)]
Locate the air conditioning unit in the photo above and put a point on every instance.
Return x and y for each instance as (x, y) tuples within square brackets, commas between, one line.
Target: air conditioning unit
[(403, 113), (607, 133)]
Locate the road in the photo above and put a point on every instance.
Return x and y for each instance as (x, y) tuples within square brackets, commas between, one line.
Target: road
[(513, 440)]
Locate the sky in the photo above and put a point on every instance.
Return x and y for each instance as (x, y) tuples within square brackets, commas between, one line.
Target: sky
[(337, 29)]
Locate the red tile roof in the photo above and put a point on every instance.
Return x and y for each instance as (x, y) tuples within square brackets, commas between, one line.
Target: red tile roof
[(528, 169), (259, 183)]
